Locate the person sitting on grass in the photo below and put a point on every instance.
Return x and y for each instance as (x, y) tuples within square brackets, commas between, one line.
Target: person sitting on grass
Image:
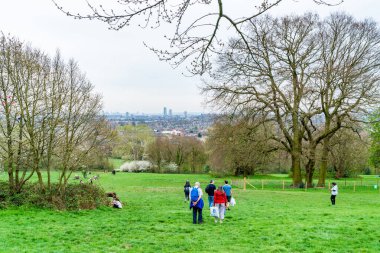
[(220, 202), (116, 203)]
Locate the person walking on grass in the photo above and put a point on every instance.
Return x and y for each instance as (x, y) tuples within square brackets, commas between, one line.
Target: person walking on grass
[(228, 190), (220, 202), (186, 189), (196, 202), (210, 188), (334, 192)]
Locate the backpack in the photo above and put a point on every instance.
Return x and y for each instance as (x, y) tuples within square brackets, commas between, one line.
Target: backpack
[(207, 189), (194, 194)]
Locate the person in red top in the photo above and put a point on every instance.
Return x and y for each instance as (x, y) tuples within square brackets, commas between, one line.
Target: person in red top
[(220, 202)]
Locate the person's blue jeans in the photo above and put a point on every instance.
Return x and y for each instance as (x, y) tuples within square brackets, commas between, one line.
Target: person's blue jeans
[(210, 201), (195, 211)]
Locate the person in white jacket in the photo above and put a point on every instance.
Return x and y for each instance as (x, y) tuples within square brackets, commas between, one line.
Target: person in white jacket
[(334, 192), (116, 203)]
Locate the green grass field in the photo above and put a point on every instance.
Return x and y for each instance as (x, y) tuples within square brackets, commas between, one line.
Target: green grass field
[(156, 219)]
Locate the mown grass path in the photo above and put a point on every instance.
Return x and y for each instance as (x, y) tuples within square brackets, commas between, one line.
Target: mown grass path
[(156, 219)]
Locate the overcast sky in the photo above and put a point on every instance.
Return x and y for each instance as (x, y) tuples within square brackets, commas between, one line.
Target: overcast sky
[(129, 76)]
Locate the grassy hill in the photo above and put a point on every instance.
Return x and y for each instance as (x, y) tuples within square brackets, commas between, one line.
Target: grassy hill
[(155, 218)]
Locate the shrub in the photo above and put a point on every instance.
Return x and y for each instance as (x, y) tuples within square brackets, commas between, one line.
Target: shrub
[(74, 197), (136, 166), (83, 196), (171, 167), (367, 171)]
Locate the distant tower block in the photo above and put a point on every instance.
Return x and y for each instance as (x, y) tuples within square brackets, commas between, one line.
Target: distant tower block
[(165, 112), (170, 112), (185, 114)]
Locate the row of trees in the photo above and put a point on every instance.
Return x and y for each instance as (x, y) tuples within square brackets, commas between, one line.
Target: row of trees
[(131, 142), (188, 154), (308, 78), (49, 115), (166, 153), (241, 147)]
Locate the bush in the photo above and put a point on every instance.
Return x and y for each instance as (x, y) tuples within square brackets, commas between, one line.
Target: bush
[(74, 197), (367, 171), (170, 168), (207, 168), (83, 196), (136, 166)]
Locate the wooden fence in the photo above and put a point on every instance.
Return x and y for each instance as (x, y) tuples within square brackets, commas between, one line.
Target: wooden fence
[(278, 184)]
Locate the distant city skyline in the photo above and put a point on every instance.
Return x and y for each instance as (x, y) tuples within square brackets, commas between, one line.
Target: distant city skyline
[(162, 112)]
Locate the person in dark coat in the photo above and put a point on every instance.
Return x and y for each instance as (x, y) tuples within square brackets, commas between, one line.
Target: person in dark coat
[(186, 189), (210, 189)]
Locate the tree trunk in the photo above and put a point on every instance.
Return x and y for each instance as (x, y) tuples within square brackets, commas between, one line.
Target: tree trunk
[(49, 177), (339, 170), (11, 182), (310, 166), (296, 169), (40, 180), (310, 172), (323, 166), (296, 156)]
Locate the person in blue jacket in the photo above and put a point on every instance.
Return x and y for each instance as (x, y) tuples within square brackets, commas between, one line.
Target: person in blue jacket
[(228, 190), (196, 202)]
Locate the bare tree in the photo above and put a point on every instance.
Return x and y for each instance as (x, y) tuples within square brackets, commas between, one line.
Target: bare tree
[(196, 37), (155, 151), (54, 100), (10, 51), (79, 123), (309, 89), (188, 153), (276, 83), (349, 79), (348, 152), (49, 112), (240, 146), (29, 92), (132, 141)]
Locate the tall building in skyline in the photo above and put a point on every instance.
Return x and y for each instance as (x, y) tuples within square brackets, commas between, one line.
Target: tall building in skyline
[(165, 112), (170, 112)]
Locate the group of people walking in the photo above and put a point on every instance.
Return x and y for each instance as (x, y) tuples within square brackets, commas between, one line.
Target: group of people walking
[(218, 197)]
